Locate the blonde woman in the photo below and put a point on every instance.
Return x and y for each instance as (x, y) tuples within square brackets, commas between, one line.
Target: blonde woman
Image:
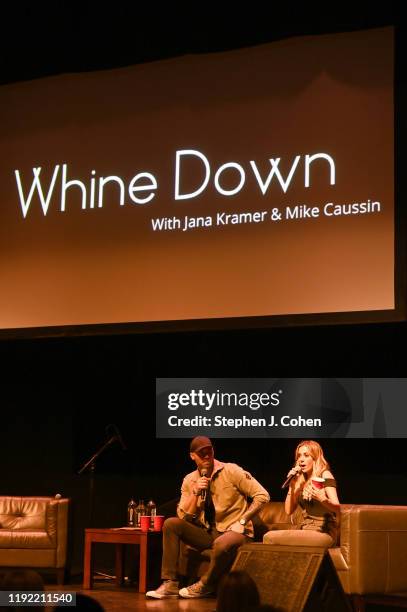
[(318, 500)]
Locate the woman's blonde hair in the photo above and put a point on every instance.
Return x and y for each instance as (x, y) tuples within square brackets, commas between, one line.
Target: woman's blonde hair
[(315, 450)]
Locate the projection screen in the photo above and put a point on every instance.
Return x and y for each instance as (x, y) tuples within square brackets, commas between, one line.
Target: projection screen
[(249, 183)]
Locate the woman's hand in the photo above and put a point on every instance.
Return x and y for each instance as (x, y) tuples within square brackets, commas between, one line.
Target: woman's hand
[(294, 471), (318, 494)]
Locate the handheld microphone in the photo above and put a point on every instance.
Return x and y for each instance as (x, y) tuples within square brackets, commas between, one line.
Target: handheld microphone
[(203, 491), (117, 435), (291, 476)]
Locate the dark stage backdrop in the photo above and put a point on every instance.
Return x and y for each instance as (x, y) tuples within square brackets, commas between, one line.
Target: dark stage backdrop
[(58, 395)]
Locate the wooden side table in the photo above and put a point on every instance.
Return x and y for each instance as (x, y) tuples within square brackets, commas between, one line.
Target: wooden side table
[(119, 537)]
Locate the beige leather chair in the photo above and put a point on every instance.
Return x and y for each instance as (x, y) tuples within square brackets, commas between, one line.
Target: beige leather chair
[(34, 533), (371, 557)]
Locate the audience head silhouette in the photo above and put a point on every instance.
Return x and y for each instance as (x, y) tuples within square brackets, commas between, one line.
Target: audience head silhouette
[(237, 593), (84, 602), (22, 580)]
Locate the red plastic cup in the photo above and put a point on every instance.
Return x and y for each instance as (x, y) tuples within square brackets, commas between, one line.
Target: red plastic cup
[(158, 522), (145, 523), (318, 482)]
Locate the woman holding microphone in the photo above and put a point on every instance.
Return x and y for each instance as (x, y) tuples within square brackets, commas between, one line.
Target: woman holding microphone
[(313, 488)]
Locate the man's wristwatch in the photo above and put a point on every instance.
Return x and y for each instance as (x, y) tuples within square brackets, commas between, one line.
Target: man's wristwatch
[(243, 521)]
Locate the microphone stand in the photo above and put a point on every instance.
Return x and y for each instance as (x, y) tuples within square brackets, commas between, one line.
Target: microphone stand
[(90, 465)]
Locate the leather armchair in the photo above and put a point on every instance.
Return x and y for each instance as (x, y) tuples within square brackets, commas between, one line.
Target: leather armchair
[(371, 556), (34, 533)]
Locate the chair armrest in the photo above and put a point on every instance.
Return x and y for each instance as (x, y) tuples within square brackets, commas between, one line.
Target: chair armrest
[(374, 546), (62, 506)]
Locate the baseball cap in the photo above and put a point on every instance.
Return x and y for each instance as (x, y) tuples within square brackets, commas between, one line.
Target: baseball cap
[(198, 443)]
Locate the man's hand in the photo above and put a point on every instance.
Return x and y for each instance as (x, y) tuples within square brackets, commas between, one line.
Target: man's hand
[(237, 527), (202, 483)]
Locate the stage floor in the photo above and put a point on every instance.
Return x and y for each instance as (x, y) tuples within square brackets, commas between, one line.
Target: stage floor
[(123, 599), (127, 598)]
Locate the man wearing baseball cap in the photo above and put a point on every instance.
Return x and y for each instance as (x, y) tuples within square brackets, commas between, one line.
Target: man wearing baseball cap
[(213, 512)]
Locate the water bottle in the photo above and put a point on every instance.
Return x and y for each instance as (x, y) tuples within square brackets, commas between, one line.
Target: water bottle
[(152, 511), (140, 511), (131, 513)]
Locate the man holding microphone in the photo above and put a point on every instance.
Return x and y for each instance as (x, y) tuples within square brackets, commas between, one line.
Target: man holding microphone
[(213, 512)]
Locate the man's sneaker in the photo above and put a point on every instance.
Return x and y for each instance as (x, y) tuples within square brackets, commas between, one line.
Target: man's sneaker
[(168, 590), (199, 589)]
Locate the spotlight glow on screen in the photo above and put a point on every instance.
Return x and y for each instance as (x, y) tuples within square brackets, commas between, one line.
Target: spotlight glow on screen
[(250, 183)]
